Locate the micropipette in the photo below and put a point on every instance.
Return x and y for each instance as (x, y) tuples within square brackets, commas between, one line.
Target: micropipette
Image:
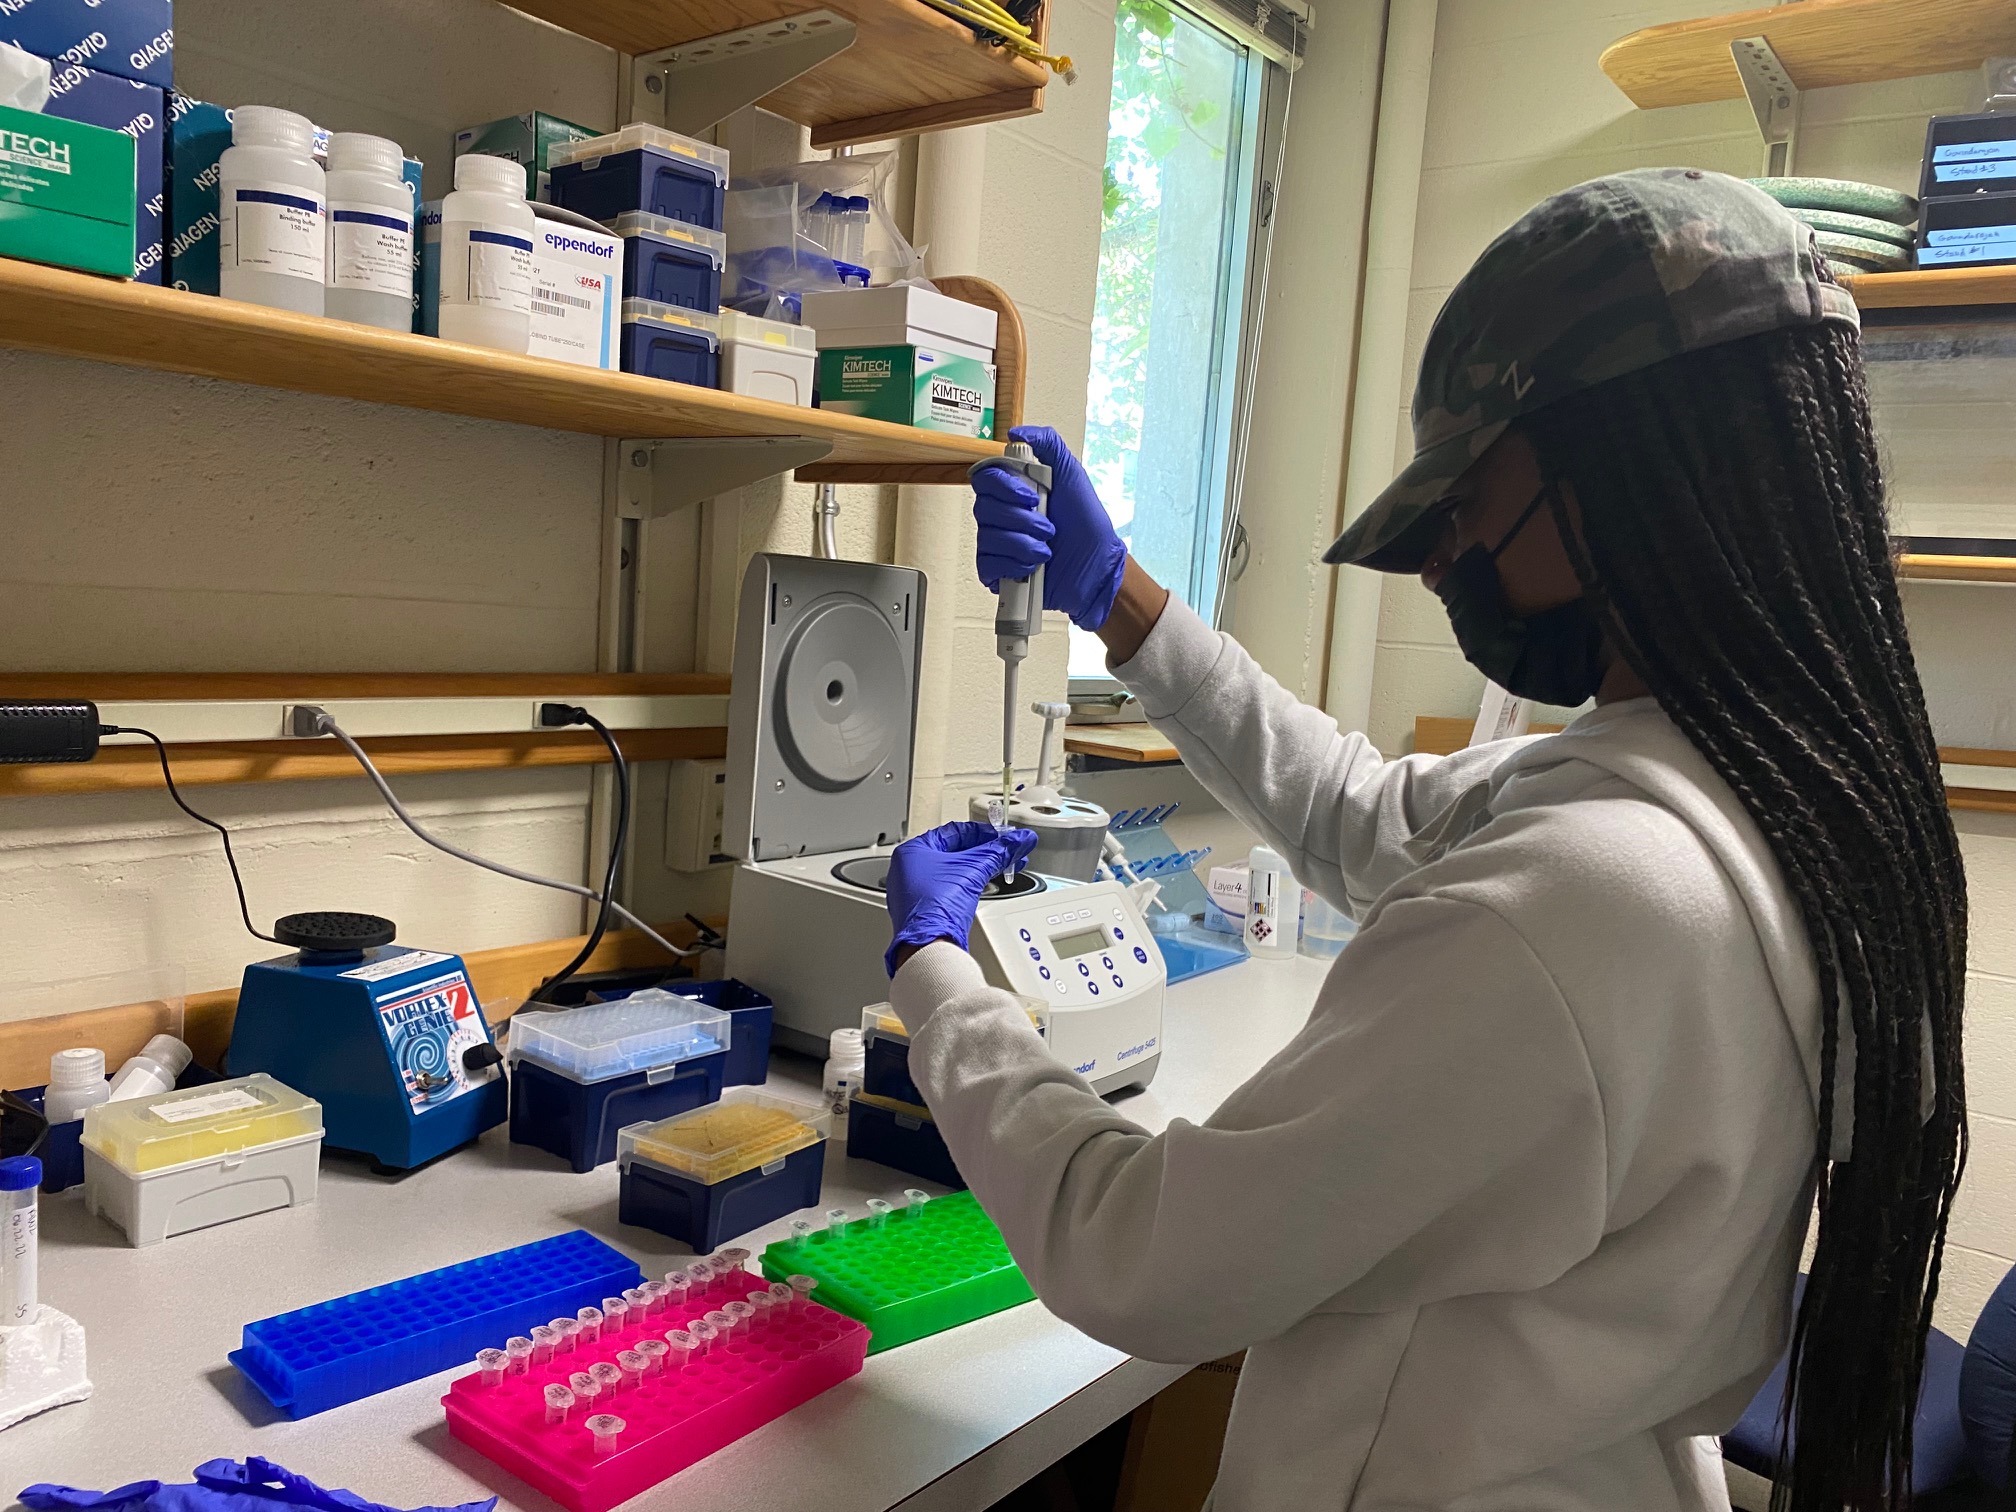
[(1018, 615)]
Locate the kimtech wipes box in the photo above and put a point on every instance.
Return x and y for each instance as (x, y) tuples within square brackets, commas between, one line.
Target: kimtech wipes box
[(134, 39), (139, 111), (910, 385), (66, 193)]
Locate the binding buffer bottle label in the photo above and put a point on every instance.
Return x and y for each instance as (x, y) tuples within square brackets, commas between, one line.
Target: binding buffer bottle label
[(273, 228), (371, 249)]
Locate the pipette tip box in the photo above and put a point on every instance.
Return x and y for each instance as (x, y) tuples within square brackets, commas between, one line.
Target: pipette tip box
[(319, 1357), (751, 1014), (671, 1418), (900, 1135), (886, 1060), (671, 261), (189, 1158), (581, 1074), (916, 1271), (643, 168), (723, 1170)]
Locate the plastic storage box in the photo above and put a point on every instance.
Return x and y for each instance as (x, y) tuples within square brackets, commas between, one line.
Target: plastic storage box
[(671, 262), (581, 1074), (723, 1170), (181, 1160), (664, 341), (767, 359), (641, 168), (916, 1271), (750, 1013), (320, 1357), (663, 1416), (899, 1135), (886, 1073)]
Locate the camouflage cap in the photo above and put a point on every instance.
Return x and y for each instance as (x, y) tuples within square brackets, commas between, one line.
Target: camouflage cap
[(1603, 279)]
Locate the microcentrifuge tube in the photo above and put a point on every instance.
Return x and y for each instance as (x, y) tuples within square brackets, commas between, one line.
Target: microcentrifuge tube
[(607, 1376), (559, 1402), (722, 1324), (681, 1349), (544, 1341), (605, 1428), (615, 1314), (586, 1387), (640, 1304), (654, 1352), (878, 1212), (704, 1334), (677, 1289), (802, 1230), (517, 1355), (781, 1295), (741, 1315), (803, 1286), (916, 1199), (762, 1302), (654, 1298), (633, 1366), (836, 1219), (737, 1259), (590, 1319), (492, 1363), (567, 1331)]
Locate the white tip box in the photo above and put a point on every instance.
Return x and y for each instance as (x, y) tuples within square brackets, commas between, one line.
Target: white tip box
[(767, 359), (163, 1165)]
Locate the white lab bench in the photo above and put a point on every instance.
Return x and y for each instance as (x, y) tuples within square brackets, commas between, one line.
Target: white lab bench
[(954, 1421)]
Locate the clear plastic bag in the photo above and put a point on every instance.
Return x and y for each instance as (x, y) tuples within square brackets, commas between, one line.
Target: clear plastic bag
[(812, 226)]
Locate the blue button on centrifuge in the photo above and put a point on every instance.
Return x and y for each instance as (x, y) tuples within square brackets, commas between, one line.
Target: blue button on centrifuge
[(1044, 972), (1035, 954), (1093, 987), (1116, 980), (1107, 962), (1140, 955), (1119, 934), (1084, 970), (1025, 936)]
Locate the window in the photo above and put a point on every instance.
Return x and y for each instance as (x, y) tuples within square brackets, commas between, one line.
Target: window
[(1174, 256)]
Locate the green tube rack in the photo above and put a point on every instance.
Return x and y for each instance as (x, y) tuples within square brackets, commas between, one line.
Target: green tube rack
[(913, 1272)]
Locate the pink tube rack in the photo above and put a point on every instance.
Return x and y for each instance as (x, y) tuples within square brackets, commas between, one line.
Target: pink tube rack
[(674, 1417)]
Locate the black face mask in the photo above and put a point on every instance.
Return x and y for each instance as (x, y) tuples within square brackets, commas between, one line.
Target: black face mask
[(1553, 657)]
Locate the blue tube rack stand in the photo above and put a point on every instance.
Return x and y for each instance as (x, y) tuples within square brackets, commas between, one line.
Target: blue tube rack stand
[(578, 1121), (343, 1350)]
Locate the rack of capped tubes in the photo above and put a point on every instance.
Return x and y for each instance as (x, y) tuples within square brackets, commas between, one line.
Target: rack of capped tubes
[(596, 1408)]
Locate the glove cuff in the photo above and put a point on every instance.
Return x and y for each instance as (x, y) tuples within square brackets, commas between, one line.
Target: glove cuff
[(1100, 608)]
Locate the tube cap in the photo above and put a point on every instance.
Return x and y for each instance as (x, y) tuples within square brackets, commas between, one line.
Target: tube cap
[(20, 1173)]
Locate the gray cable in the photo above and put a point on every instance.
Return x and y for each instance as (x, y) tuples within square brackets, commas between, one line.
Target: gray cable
[(324, 725)]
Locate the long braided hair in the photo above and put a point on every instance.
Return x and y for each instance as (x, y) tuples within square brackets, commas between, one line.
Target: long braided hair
[(1733, 538)]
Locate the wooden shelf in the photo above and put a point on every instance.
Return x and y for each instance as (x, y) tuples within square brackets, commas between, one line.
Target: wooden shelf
[(1119, 742), (1935, 287), (911, 68), (139, 325), (201, 763), (1820, 42), (1958, 569)]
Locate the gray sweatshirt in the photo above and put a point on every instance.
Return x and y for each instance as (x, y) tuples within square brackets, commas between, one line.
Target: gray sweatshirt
[(1511, 1225)]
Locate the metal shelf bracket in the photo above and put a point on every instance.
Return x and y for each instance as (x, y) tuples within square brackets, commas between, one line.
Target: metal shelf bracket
[(1774, 100), (690, 87), (656, 477)]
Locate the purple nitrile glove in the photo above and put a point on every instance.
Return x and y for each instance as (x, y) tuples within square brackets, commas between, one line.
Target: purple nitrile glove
[(1085, 554), (936, 879)]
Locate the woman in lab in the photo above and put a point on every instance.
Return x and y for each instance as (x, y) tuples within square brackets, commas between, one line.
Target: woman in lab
[(1512, 1224)]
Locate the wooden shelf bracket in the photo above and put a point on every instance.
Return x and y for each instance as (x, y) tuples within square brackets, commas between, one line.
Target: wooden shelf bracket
[(697, 84), (1774, 100), (654, 478)]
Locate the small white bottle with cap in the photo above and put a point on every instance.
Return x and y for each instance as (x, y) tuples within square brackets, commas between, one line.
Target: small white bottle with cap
[(76, 1082), (154, 1069), (1273, 906), (370, 232), (487, 233), (846, 1065), (272, 203)]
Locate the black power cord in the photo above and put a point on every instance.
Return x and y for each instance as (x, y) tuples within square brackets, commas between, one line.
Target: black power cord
[(556, 716), (175, 793)]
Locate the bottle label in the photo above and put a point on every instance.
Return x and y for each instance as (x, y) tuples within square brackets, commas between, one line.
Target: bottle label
[(370, 249), (1261, 894), (273, 228), (489, 267)]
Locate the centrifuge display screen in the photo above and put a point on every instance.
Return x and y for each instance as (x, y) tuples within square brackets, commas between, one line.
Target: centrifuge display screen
[(1082, 942)]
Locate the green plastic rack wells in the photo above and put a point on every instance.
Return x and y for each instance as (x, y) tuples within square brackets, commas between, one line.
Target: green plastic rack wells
[(909, 1272)]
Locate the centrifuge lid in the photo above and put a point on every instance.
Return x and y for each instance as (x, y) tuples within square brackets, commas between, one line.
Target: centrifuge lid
[(823, 716)]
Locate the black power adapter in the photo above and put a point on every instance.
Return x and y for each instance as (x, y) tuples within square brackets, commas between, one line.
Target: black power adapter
[(34, 731)]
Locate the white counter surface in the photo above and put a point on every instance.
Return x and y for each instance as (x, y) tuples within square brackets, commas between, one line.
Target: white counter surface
[(952, 1421)]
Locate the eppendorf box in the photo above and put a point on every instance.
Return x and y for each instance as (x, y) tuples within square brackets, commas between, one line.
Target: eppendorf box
[(910, 385)]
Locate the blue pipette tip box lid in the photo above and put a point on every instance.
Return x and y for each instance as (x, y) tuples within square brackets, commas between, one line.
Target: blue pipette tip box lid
[(20, 1173), (645, 1031)]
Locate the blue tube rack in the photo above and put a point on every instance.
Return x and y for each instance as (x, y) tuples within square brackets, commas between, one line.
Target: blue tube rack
[(318, 1357)]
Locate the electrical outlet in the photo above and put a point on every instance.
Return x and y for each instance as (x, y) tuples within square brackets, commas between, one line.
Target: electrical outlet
[(694, 792)]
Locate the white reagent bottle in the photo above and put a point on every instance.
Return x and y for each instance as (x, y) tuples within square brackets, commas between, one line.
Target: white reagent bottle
[(486, 255), (1273, 906), (272, 200), (76, 1082), (846, 1066), (153, 1070), (370, 233)]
